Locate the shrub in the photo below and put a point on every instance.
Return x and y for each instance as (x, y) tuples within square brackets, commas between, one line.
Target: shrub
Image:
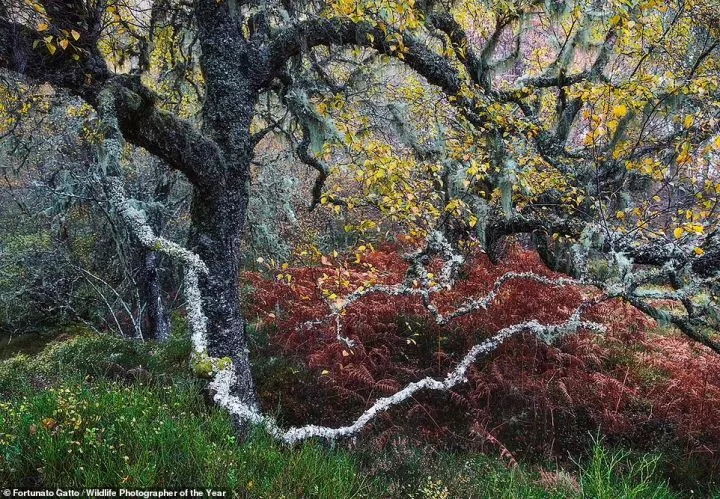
[(538, 400)]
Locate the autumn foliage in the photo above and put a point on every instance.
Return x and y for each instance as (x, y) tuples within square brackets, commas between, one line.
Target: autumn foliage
[(640, 386)]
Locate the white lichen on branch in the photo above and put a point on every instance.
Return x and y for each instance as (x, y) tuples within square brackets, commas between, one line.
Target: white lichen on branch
[(110, 155), (224, 381)]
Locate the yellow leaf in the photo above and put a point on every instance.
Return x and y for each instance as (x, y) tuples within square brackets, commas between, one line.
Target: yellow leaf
[(620, 215), (699, 251), (64, 44), (688, 121), (325, 372), (51, 48), (678, 232), (75, 35), (619, 111), (42, 26)]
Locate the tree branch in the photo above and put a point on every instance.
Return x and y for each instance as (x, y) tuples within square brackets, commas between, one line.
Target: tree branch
[(547, 332), (325, 32), (163, 134)]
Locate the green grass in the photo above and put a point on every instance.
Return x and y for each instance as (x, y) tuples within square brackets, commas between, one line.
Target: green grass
[(609, 475), (105, 434), (65, 421), (85, 430), (407, 472)]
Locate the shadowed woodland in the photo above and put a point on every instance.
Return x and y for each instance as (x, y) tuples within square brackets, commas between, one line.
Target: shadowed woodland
[(361, 247)]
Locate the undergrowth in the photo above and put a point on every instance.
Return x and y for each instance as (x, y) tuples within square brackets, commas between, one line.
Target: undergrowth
[(529, 400), (72, 416)]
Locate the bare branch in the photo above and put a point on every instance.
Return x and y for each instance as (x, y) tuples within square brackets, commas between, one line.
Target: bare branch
[(305, 35), (546, 332)]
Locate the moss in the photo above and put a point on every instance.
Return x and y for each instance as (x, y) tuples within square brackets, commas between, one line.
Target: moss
[(223, 363), (205, 366), (202, 366)]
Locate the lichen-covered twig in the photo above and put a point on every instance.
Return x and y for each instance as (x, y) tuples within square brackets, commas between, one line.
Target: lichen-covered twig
[(223, 383), (110, 154)]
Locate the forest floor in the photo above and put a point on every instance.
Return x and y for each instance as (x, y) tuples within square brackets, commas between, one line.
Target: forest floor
[(101, 411)]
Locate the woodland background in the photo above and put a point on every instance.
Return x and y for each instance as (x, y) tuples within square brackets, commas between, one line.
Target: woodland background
[(580, 146)]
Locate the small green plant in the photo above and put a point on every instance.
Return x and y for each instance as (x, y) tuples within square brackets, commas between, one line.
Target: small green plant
[(434, 489), (205, 366), (612, 474)]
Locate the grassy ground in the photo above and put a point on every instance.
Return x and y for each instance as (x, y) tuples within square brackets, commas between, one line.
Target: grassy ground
[(82, 413)]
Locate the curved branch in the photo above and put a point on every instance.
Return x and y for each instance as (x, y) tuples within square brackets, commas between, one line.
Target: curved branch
[(547, 332), (305, 35), (448, 25), (110, 152), (163, 134), (303, 152), (684, 324)]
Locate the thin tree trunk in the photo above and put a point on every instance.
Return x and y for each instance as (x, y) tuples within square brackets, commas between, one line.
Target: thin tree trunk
[(158, 323)]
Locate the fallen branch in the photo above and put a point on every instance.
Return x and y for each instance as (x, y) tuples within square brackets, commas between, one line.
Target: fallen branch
[(223, 382)]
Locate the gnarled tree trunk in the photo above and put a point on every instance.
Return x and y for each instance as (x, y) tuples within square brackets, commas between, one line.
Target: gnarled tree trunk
[(230, 67), (217, 224)]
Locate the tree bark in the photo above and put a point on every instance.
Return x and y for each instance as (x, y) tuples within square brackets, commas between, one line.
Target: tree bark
[(217, 223), (231, 67)]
